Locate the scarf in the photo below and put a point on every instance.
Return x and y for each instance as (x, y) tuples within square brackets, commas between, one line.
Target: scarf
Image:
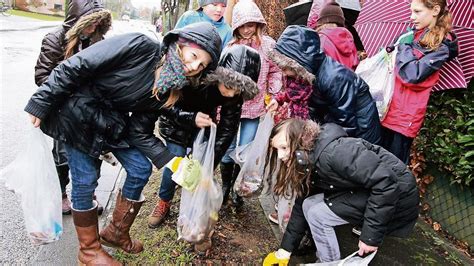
[(298, 92), (172, 73)]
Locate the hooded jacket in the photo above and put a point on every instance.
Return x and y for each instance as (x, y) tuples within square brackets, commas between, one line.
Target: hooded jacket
[(238, 69), (417, 71), (338, 44), (101, 98), (270, 77), (193, 16), (339, 95), (54, 43), (363, 183)]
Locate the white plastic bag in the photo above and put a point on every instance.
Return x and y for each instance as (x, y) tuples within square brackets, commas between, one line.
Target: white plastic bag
[(250, 179), (285, 206), (32, 175), (351, 260), (378, 72), (198, 210)]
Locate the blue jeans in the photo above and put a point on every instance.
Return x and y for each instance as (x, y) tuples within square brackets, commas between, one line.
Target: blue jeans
[(168, 186), (84, 175), (248, 129)]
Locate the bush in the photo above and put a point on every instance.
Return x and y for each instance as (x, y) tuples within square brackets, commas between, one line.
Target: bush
[(447, 137)]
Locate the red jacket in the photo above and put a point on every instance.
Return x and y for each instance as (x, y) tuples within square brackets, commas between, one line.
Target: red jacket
[(338, 44), (417, 71)]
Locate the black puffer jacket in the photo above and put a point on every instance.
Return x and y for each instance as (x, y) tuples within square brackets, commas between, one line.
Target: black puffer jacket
[(363, 184), (101, 98), (54, 43), (178, 125), (339, 95)]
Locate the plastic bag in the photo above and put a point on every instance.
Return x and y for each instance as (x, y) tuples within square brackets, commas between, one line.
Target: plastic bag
[(32, 175), (250, 179), (285, 206), (188, 174), (351, 260), (198, 210), (378, 72)]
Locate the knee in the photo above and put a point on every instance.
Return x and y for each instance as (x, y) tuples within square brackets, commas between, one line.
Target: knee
[(145, 169)]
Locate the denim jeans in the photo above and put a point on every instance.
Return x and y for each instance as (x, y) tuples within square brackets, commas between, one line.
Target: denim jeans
[(84, 175), (248, 129), (168, 186)]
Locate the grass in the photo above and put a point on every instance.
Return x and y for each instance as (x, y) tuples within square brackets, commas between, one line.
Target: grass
[(35, 15)]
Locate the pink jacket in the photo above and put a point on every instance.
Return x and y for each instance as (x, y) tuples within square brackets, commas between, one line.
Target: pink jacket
[(338, 44)]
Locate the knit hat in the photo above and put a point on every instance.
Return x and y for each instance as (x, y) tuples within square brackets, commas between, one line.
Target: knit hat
[(208, 2), (331, 13)]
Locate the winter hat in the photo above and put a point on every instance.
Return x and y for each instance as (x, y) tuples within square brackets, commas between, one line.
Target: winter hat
[(208, 2), (246, 11), (331, 13)]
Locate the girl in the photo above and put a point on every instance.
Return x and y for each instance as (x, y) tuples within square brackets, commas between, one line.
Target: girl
[(248, 27), (338, 180), (417, 71), (108, 98)]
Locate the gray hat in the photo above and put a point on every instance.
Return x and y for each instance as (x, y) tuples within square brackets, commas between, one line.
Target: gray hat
[(208, 2)]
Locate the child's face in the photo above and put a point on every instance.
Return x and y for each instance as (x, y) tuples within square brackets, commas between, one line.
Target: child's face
[(422, 16), (280, 143), (195, 60), (247, 30), (90, 29), (225, 91), (215, 11)]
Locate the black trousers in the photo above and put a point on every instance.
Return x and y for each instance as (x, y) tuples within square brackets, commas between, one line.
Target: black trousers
[(396, 143)]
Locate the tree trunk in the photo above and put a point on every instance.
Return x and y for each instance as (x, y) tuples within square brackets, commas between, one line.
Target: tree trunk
[(273, 12), (172, 11)]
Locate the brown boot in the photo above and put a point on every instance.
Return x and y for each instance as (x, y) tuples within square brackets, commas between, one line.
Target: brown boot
[(161, 211), (116, 234), (90, 249)]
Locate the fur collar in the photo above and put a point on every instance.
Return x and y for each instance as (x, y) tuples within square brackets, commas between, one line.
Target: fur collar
[(283, 62), (233, 79)]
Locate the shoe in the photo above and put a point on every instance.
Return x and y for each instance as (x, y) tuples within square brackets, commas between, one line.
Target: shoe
[(273, 217), (66, 205), (357, 230), (90, 249), (161, 211), (117, 233), (204, 245), (100, 208)]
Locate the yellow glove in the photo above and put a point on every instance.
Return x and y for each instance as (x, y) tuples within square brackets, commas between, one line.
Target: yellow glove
[(275, 258)]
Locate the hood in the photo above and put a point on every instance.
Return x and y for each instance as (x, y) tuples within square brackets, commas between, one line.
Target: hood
[(329, 133), (239, 68), (103, 17), (202, 33), (452, 42), (244, 12), (78, 8), (341, 38), (302, 45)]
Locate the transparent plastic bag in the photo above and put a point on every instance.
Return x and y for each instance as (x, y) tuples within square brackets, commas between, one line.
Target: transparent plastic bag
[(378, 72), (250, 179), (285, 206), (32, 175), (352, 260), (198, 210)]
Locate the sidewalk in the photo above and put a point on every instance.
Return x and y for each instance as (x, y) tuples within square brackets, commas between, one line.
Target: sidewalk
[(17, 23), (423, 247)]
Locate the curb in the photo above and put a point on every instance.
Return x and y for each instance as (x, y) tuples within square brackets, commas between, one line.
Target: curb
[(27, 29)]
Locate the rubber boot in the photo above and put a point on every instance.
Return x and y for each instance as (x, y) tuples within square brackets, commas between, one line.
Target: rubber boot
[(227, 170)]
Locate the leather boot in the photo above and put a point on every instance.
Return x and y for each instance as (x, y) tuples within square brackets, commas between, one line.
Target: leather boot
[(227, 169), (90, 249), (237, 200), (100, 208), (116, 234)]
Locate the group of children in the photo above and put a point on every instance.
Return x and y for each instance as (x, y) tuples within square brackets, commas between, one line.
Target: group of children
[(107, 98)]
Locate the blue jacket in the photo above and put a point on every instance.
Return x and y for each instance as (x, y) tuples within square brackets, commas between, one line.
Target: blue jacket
[(193, 16)]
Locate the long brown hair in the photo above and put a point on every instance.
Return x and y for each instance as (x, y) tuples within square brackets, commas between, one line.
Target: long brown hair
[(436, 35), (291, 179)]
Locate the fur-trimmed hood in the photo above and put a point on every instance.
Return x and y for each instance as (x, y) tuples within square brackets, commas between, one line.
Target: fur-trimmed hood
[(80, 8), (103, 17), (285, 62), (239, 68)]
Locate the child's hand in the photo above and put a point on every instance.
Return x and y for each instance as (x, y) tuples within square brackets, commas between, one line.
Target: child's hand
[(272, 106), (35, 121), (202, 120)]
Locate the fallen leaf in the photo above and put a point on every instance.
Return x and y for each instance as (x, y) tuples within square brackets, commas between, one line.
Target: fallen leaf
[(426, 207), (436, 226), (428, 179), (221, 235)]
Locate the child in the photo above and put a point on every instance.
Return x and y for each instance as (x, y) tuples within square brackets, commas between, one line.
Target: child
[(211, 11), (248, 27), (338, 180), (336, 93), (86, 23), (417, 71), (336, 41)]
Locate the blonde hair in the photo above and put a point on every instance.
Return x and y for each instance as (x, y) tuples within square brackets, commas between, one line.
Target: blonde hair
[(258, 34), (436, 35)]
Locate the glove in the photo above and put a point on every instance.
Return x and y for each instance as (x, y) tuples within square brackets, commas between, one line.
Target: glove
[(186, 172), (280, 258)]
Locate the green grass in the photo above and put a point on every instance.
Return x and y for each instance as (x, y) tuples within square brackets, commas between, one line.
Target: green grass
[(35, 15)]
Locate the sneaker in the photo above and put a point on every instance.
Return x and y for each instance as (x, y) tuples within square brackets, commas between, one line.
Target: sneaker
[(161, 211), (273, 217), (357, 230), (66, 205)]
